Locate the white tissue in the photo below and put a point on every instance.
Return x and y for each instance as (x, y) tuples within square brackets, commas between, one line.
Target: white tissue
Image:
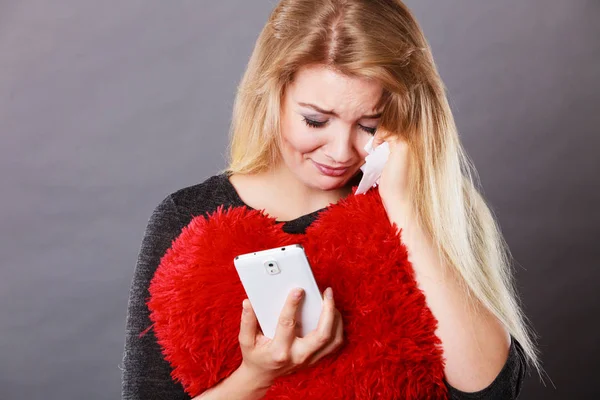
[(373, 166)]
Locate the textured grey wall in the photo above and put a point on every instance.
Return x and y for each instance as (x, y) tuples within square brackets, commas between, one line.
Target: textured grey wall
[(106, 106)]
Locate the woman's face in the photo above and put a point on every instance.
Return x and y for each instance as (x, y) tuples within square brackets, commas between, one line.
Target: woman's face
[(326, 120)]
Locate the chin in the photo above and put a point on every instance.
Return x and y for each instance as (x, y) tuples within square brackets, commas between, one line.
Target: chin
[(324, 182), (310, 176)]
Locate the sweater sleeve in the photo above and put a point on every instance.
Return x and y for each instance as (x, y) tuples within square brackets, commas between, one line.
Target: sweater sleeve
[(146, 375)]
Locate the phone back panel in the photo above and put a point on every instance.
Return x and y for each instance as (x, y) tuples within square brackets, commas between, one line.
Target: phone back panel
[(267, 287)]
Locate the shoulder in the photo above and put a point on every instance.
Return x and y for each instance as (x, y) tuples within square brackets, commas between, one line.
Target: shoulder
[(200, 199), (175, 211), (508, 383)]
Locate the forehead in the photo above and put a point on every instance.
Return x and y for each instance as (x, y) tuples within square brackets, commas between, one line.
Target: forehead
[(333, 90)]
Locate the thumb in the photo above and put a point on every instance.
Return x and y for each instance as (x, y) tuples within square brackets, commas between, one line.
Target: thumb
[(248, 326)]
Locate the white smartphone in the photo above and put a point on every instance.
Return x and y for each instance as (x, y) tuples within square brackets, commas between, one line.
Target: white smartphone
[(268, 276)]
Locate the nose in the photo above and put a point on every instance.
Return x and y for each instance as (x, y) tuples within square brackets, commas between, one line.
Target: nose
[(340, 149)]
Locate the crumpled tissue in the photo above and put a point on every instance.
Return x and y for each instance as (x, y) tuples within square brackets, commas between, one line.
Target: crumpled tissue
[(373, 166)]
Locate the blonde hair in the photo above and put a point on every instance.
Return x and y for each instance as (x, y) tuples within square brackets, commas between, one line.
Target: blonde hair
[(381, 40)]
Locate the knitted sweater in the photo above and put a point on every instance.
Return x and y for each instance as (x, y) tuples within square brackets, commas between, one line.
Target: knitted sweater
[(146, 374)]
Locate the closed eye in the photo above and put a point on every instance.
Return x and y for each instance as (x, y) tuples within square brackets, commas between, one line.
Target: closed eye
[(319, 124), (370, 131), (314, 124)]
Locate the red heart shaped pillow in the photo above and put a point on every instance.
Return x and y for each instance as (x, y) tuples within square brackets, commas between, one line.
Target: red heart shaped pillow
[(391, 351)]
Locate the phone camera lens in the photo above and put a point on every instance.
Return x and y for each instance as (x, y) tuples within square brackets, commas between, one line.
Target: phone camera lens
[(270, 264)]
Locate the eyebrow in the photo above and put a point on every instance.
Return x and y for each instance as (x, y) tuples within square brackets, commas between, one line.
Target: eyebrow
[(331, 112)]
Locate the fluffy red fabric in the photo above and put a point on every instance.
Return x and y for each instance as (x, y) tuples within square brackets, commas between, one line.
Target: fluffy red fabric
[(391, 351)]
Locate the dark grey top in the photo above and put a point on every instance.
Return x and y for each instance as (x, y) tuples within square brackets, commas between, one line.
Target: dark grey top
[(146, 374)]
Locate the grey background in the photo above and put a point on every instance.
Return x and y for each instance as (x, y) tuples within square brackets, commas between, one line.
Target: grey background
[(107, 106)]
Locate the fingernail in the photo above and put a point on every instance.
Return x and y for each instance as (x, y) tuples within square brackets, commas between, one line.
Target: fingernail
[(245, 305), (329, 293), (298, 293)]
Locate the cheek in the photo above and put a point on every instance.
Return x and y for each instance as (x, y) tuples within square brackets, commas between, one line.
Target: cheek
[(360, 145), (300, 138)]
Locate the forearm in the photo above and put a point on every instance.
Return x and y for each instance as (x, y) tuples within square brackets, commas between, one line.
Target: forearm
[(475, 343), (240, 385)]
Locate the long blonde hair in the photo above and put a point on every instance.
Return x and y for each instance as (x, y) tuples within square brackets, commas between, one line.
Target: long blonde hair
[(382, 40)]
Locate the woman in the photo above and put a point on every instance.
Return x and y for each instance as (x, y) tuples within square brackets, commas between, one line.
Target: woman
[(324, 77)]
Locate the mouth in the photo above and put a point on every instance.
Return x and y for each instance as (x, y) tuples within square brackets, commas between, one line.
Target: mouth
[(330, 171)]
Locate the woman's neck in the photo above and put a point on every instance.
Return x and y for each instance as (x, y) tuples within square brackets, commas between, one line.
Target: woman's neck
[(282, 195), (297, 194)]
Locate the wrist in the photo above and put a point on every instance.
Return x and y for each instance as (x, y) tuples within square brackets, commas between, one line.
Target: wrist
[(397, 207), (257, 384), (242, 384)]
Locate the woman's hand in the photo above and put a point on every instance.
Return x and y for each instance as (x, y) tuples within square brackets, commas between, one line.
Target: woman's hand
[(267, 359), (393, 184)]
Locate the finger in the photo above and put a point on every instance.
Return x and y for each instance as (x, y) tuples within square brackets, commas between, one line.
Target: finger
[(285, 333), (380, 136), (248, 326), (377, 140), (333, 345), (324, 331)]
